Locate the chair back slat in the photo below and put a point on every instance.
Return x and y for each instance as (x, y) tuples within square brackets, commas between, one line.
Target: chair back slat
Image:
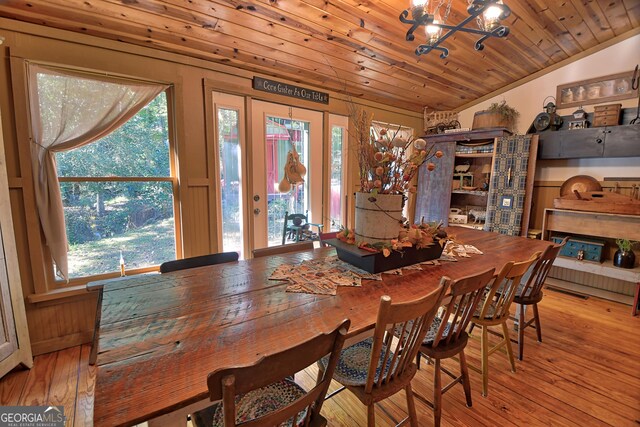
[(225, 384), (533, 285), (198, 261), (464, 296), (501, 294), (400, 328)]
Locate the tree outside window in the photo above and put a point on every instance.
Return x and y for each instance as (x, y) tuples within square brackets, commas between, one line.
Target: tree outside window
[(117, 194)]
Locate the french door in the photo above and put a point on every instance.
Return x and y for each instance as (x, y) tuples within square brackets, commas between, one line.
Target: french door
[(278, 130), (231, 184)]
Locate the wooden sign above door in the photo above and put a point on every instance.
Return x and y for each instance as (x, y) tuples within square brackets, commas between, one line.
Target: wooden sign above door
[(292, 91)]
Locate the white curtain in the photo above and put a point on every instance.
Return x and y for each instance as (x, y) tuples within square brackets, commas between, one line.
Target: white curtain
[(68, 110)]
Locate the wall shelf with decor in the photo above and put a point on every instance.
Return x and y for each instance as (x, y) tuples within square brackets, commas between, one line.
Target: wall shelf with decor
[(599, 224), (458, 191), (593, 142)]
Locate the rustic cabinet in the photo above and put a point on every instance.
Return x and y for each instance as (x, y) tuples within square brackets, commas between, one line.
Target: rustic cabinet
[(454, 185), (15, 347), (609, 141)]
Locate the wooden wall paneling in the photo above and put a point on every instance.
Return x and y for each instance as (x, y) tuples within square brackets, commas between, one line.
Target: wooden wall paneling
[(60, 324), (23, 141), (202, 48), (559, 32), (595, 20), (240, 24), (242, 35), (573, 23), (616, 15), (634, 17), (345, 26), (196, 221)]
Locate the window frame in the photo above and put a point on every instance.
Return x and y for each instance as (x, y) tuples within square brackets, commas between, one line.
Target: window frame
[(55, 282)]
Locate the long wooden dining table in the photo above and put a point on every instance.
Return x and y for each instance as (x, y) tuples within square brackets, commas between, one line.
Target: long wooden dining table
[(160, 335)]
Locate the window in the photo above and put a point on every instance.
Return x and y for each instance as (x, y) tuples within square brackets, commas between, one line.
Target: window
[(118, 196)]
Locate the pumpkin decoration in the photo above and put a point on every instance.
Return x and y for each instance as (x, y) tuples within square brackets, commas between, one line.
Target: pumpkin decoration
[(294, 171)]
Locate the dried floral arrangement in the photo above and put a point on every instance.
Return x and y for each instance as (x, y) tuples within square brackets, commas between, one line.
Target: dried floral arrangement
[(419, 236), (388, 163)]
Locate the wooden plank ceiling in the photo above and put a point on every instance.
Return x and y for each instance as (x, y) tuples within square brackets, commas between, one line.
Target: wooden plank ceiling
[(352, 46)]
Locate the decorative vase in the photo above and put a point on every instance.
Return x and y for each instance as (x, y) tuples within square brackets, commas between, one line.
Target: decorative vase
[(378, 218), (624, 259)]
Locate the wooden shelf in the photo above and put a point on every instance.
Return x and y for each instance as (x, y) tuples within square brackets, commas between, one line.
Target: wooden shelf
[(471, 135), (608, 270), (601, 225), (472, 193), (475, 155)]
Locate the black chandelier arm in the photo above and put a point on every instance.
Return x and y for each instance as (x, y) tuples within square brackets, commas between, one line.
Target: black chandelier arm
[(425, 19), (419, 17), (426, 48), (478, 6), (497, 32)]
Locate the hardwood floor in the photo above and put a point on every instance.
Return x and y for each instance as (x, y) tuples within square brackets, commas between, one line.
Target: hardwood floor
[(586, 372)]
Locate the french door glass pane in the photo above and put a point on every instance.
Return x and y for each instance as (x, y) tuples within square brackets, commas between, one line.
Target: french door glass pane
[(281, 135), (230, 179), (337, 136)]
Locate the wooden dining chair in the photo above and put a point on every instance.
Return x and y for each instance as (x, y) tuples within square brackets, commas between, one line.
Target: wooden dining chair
[(495, 311), (283, 249), (198, 261), (530, 293), (261, 394), (381, 366), (447, 336)]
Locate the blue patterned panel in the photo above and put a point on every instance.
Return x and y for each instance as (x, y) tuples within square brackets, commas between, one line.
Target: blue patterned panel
[(508, 180)]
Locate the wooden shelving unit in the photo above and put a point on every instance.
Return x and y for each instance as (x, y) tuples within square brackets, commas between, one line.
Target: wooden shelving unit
[(597, 224)]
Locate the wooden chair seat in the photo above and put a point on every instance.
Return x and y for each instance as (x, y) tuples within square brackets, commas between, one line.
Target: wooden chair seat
[(530, 293), (261, 394), (353, 365), (377, 368), (255, 404), (447, 336), (528, 300), (445, 349), (495, 311)]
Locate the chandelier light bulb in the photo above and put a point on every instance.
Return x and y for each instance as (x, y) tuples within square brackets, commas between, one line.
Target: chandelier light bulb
[(418, 3), (432, 31), (492, 17)]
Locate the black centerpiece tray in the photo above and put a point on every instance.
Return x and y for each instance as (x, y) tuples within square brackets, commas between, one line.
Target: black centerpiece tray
[(376, 262)]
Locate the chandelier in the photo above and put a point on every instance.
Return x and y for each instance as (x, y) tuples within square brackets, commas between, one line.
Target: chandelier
[(433, 16)]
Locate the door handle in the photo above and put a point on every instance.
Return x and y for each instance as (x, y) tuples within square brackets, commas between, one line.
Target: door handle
[(256, 211)]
